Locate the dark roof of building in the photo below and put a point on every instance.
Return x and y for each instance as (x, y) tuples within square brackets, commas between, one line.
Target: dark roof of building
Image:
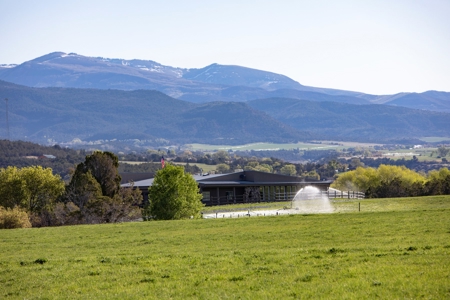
[(244, 178), (133, 177)]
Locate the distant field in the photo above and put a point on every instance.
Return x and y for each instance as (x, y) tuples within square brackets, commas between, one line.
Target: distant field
[(325, 145), (133, 162), (206, 168), (262, 146), (434, 139), (352, 144), (393, 249), (422, 154)]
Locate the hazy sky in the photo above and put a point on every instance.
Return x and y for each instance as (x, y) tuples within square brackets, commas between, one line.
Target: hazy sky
[(378, 47)]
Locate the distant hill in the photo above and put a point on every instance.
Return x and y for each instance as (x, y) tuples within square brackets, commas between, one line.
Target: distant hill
[(25, 154), (65, 114), (69, 114), (431, 100), (344, 121)]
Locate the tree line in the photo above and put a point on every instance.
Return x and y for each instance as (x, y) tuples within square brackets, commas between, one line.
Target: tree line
[(19, 153), (93, 194), (394, 181)]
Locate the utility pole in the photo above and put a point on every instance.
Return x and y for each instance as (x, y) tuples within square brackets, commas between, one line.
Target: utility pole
[(7, 121)]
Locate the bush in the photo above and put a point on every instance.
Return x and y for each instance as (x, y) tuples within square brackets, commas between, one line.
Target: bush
[(13, 218)]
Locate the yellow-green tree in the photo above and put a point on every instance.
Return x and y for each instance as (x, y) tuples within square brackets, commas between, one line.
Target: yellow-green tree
[(365, 179), (264, 168), (13, 218), (34, 189), (288, 170), (222, 168), (438, 175)]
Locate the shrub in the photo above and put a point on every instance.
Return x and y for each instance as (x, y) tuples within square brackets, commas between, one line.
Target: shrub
[(13, 218)]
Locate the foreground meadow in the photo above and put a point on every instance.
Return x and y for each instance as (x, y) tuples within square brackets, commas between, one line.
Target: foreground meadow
[(391, 251)]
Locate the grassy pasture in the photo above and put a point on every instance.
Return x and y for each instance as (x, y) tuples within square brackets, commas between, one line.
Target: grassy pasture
[(349, 205), (325, 145), (134, 162), (422, 154), (434, 139), (206, 168), (263, 146), (394, 248)]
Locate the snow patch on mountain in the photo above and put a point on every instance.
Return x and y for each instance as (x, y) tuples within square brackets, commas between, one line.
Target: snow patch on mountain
[(8, 66)]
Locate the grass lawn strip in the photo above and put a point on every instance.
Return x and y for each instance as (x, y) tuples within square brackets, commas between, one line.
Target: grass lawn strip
[(398, 250)]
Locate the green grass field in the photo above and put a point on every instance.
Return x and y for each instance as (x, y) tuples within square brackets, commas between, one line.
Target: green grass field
[(262, 146), (422, 154), (434, 139), (206, 168), (392, 249), (321, 145)]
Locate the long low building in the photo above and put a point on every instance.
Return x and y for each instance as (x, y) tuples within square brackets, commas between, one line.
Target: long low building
[(243, 187)]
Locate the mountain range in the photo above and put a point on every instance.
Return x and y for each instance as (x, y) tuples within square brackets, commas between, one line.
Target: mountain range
[(212, 83), (63, 97), (71, 114), (65, 114)]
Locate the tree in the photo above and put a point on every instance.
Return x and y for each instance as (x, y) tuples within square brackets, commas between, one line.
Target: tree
[(288, 170), (174, 195), (221, 156), (386, 181), (264, 168), (94, 194), (222, 168), (34, 189), (438, 182), (251, 166), (103, 166), (82, 189), (355, 163), (442, 151), (12, 188), (43, 188), (312, 175)]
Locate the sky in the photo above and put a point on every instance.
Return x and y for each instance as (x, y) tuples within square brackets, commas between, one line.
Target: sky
[(371, 46)]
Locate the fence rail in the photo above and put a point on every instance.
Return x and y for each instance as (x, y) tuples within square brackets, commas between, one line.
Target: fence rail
[(280, 197), (345, 194)]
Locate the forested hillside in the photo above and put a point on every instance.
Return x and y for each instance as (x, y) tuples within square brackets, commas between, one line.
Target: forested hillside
[(24, 154), (355, 122), (68, 115), (62, 114)]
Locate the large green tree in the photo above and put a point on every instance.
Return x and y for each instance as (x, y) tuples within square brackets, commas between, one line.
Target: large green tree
[(173, 195), (34, 189)]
